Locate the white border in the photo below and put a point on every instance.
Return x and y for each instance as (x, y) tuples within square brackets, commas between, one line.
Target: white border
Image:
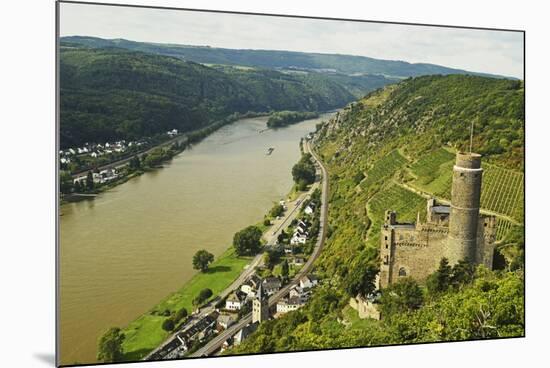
[(27, 205)]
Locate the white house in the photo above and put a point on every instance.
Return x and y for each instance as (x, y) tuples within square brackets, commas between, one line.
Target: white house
[(309, 209), (225, 320), (289, 304), (309, 281), (271, 285), (301, 239), (234, 301)]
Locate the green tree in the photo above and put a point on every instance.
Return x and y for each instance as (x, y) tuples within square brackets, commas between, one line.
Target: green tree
[(303, 172), (277, 210), (247, 241), (284, 269), (90, 181), (440, 280), (202, 259), (402, 296), (65, 182), (168, 324), (182, 313), (203, 296), (110, 345), (360, 280)]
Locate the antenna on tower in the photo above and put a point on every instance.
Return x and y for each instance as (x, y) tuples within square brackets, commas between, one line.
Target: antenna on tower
[(471, 136)]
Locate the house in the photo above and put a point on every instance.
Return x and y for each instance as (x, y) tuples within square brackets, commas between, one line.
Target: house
[(172, 132), (93, 154), (271, 285), (298, 239), (309, 209), (298, 261), (290, 304), (225, 320), (72, 151), (235, 300), (308, 281), (245, 332), (251, 285)]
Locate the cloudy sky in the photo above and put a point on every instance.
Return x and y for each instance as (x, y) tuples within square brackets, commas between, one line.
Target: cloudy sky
[(497, 52)]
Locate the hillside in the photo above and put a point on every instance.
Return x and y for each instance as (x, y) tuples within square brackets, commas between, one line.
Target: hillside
[(109, 94), (389, 151), (346, 64)]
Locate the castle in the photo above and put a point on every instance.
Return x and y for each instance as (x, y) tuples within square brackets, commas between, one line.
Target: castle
[(456, 232)]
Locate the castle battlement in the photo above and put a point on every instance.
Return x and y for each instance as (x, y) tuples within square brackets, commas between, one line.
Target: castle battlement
[(456, 232)]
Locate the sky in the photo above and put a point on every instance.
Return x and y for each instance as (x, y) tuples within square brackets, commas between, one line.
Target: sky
[(495, 52)]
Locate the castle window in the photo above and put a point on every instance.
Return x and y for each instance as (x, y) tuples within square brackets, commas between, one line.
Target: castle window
[(386, 237), (402, 272), (461, 174)]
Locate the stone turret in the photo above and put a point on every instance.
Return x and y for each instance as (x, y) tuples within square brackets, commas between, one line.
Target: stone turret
[(465, 200), (260, 306)]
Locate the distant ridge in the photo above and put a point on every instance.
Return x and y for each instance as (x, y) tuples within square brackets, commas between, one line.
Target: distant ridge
[(272, 59)]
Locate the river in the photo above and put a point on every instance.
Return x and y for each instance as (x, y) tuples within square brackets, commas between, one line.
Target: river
[(128, 248)]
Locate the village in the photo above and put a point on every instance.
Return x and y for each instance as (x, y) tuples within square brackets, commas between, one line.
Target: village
[(90, 155), (278, 285)]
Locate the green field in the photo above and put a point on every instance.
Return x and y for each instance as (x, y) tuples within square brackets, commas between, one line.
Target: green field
[(396, 198), (145, 333), (384, 168), (502, 189)]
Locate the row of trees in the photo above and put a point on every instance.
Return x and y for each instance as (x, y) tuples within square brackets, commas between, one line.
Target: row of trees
[(303, 172)]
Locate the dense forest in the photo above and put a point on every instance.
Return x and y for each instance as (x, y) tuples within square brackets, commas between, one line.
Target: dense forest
[(110, 93), (271, 59), (376, 150)]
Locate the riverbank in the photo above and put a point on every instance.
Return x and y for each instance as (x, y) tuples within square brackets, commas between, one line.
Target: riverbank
[(162, 218), (146, 333), (127, 171)]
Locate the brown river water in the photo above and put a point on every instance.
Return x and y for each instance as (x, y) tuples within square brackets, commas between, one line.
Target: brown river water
[(128, 248)]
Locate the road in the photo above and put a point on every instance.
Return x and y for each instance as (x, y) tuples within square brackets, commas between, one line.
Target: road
[(214, 345), (271, 238)]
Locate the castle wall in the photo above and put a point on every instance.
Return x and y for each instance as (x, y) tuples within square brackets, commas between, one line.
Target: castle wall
[(411, 252)]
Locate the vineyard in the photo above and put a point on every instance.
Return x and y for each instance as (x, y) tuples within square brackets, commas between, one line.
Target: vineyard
[(428, 167), (502, 189), (406, 203), (384, 168)]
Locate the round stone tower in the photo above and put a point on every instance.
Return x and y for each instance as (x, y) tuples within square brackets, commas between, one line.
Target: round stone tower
[(465, 195)]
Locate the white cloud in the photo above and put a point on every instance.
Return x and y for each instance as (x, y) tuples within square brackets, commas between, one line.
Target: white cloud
[(497, 52)]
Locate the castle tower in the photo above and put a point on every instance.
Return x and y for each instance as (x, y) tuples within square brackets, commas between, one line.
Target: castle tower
[(465, 198), (260, 306)]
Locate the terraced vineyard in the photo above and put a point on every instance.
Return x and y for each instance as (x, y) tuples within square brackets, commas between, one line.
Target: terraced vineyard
[(502, 189), (384, 168), (428, 167), (396, 198)]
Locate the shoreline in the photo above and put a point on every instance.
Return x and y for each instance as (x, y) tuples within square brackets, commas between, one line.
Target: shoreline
[(182, 297), (186, 140), (144, 332)]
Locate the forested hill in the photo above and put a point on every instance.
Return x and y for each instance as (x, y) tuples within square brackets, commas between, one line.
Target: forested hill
[(113, 93), (390, 151), (346, 64)]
